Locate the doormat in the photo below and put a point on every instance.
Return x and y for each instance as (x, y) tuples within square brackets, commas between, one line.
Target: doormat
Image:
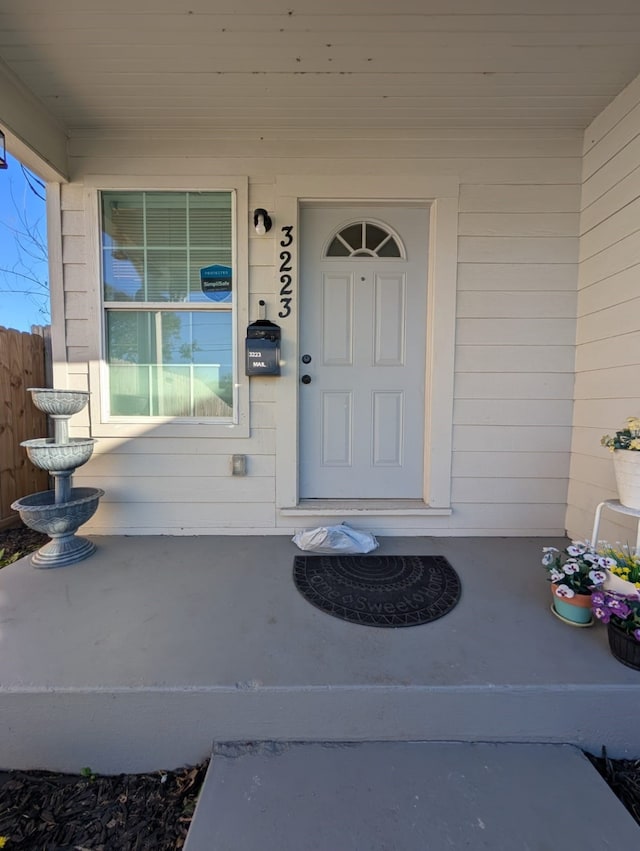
[(385, 591)]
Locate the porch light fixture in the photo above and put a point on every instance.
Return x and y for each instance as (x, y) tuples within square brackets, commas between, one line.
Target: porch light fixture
[(262, 221), (3, 153)]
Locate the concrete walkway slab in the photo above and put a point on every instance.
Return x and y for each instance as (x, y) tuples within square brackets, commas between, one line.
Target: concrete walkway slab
[(392, 796)]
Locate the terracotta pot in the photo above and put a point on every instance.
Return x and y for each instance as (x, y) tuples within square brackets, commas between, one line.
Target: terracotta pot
[(574, 610), (626, 466), (624, 647)]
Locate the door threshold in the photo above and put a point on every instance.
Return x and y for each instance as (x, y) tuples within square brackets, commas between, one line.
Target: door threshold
[(346, 507)]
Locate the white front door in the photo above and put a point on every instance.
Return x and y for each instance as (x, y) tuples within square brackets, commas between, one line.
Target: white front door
[(363, 277)]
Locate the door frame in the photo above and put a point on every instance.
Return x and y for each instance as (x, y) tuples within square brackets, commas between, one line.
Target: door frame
[(440, 193)]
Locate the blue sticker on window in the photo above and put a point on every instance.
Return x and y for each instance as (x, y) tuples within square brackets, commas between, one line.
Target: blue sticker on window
[(216, 282)]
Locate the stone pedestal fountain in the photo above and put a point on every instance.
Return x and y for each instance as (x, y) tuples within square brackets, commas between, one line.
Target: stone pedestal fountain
[(59, 512)]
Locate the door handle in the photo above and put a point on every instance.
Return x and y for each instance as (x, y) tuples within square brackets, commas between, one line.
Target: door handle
[(306, 379)]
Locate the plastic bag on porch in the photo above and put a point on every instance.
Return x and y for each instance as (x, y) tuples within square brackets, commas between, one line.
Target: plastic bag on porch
[(341, 539)]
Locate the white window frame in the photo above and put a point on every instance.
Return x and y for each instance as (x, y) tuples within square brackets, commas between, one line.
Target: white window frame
[(105, 425)]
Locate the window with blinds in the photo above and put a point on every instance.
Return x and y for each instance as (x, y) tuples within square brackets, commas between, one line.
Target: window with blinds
[(168, 294)]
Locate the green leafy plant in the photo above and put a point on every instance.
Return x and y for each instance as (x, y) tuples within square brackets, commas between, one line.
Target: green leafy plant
[(626, 438), (88, 773), (9, 559)]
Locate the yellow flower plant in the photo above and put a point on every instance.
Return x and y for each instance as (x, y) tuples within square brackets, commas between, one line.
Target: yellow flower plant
[(626, 438), (627, 561)]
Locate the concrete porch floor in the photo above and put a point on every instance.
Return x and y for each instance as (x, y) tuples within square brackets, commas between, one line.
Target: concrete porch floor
[(144, 654)]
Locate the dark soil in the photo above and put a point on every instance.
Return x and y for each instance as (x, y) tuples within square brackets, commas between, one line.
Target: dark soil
[(19, 542), (44, 811), (623, 776)]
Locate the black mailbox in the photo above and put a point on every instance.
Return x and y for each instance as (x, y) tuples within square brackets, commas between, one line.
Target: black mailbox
[(263, 348)]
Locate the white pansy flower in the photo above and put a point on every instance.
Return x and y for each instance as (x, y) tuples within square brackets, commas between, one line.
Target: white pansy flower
[(564, 591), (577, 548)]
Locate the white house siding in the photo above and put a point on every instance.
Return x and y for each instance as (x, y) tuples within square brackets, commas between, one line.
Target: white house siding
[(516, 302), (608, 328)]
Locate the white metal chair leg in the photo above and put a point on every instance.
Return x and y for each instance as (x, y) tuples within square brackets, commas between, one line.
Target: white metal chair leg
[(596, 524)]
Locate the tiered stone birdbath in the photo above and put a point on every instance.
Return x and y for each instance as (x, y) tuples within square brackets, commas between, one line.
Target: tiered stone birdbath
[(59, 512)]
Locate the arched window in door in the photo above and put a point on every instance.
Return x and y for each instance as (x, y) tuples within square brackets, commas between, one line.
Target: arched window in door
[(364, 239)]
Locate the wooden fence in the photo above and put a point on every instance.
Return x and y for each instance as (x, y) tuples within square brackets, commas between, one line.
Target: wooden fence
[(23, 364)]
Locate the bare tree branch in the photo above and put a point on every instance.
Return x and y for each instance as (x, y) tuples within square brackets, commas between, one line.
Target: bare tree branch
[(29, 237)]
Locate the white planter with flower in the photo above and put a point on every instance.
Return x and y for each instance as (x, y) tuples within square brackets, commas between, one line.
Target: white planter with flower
[(625, 446)]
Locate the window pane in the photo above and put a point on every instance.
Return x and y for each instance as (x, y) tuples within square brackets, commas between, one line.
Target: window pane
[(167, 275), (210, 221), (155, 245), (353, 235), (389, 249), (170, 363), (337, 249), (123, 219), (166, 218), (374, 236), (123, 273)]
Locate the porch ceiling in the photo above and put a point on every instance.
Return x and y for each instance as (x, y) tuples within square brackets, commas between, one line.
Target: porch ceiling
[(304, 66)]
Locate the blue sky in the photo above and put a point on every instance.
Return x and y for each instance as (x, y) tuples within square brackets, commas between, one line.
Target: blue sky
[(24, 297)]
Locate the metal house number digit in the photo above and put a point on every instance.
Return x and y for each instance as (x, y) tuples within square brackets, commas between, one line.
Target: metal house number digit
[(286, 281)]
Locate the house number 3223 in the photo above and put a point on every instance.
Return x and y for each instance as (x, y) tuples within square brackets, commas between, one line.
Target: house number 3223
[(286, 291)]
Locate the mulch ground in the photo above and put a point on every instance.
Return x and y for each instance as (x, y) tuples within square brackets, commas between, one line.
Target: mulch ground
[(20, 542), (623, 776), (44, 811)]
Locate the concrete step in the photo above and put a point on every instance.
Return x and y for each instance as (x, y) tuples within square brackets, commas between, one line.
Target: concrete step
[(167, 644), (406, 796)]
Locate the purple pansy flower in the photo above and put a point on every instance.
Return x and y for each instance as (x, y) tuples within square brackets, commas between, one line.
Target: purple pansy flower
[(603, 614), (619, 608)]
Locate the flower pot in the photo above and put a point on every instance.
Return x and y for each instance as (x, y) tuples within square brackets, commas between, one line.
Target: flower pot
[(618, 585), (624, 646), (626, 466), (574, 610)]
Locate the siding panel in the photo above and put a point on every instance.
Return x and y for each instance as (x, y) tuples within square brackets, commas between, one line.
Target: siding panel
[(515, 359), (608, 330)]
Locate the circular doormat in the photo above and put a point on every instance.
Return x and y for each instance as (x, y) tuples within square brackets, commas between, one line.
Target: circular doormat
[(386, 591)]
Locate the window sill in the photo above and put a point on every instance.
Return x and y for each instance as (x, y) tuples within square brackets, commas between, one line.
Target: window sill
[(163, 427)]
